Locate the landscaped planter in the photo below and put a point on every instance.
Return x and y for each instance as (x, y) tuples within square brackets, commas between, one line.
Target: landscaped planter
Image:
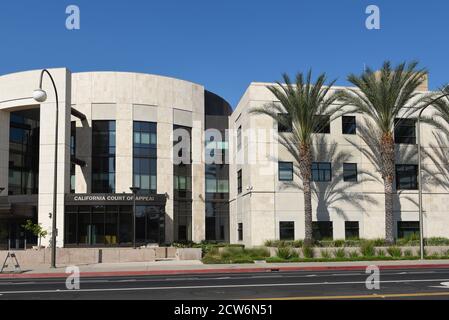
[(317, 251)]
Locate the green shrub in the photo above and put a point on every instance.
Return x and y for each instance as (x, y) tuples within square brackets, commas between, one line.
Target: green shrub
[(381, 253), (394, 251), (297, 244), (378, 242), (437, 241), (307, 251), (339, 243), (269, 243), (367, 248), (340, 253), (353, 254), (257, 253), (408, 253), (286, 253), (325, 254)]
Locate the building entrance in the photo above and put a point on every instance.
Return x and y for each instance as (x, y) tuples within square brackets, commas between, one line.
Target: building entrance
[(108, 220)]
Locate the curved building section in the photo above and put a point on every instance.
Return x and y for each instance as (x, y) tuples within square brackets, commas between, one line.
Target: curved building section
[(116, 131)]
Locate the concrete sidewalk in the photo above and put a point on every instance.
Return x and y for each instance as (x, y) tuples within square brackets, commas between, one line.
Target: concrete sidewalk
[(197, 267)]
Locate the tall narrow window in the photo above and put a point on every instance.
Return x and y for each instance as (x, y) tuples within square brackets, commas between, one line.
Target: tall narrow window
[(287, 230), (350, 172), (145, 156), (239, 138), (351, 230), (72, 155), (24, 152), (406, 177), (182, 182), (239, 181), (348, 125), (103, 156), (240, 232), (285, 171), (405, 131)]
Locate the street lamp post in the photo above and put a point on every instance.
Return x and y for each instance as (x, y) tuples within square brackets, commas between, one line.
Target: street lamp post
[(421, 218), (41, 96), (134, 190)]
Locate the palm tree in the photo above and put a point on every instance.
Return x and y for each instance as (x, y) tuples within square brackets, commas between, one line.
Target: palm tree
[(384, 96), (301, 107)]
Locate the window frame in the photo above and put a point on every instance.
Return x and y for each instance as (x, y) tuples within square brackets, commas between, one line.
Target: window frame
[(400, 231), (398, 177), (289, 226), (349, 228), (291, 173), (352, 130), (346, 175), (239, 182), (281, 127), (240, 231), (319, 170), (319, 127), (401, 123)]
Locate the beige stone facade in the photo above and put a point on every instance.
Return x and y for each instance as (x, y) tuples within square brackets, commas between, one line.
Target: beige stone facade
[(265, 201)]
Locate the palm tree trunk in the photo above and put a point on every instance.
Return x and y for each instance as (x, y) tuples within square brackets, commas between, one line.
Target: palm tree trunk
[(388, 163), (305, 168), (389, 221)]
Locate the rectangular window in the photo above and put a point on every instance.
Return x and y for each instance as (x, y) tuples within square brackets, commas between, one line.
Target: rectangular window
[(145, 156), (239, 181), (285, 171), (239, 138), (322, 230), (405, 131), (217, 186), (103, 159), (284, 123), (321, 171), (408, 229), (72, 155), (351, 230), (406, 177), (240, 232), (287, 230), (323, 125), (349, 125), (23, 152), (350, 172)]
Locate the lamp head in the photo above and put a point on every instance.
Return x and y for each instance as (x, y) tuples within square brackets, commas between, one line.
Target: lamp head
[(39, 95)]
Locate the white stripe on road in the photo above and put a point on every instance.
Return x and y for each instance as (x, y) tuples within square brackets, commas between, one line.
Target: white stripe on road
[(220, 286)]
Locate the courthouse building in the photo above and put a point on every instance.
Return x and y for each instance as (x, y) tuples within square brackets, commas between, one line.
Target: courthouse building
[(118, 130)]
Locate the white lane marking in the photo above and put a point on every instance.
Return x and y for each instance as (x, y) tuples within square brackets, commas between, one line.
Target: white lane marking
[(444, 285), (311, 275), (222, 286)]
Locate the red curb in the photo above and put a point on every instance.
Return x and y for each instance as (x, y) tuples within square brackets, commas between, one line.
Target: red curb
[(223, 270)]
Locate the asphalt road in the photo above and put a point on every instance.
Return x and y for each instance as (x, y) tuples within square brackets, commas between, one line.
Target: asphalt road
[(394, 284)]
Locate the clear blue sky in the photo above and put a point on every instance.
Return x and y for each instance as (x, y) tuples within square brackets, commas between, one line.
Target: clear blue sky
[(225, 44)]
